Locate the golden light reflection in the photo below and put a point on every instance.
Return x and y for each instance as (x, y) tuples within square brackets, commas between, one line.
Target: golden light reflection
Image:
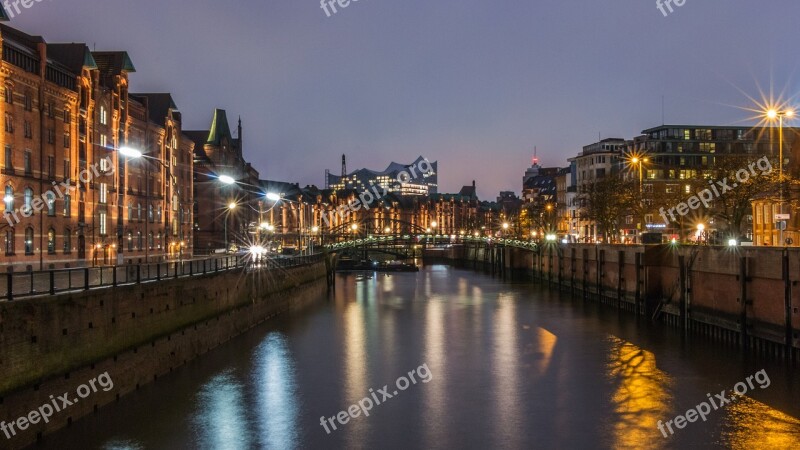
[(547, 342), (355, 360), (751, 424), (642, 397), (506, 372), (436, 405)]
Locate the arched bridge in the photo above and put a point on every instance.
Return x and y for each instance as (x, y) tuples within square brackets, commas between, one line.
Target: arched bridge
[(385, 242)]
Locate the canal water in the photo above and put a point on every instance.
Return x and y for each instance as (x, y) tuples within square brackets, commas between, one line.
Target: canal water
[(495, 365)]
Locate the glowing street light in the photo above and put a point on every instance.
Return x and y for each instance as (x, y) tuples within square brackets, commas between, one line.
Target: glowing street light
[(232, 206), (314, 229), (273, 197), (505, 225), (130, 152), (354, 226), (225, 179)]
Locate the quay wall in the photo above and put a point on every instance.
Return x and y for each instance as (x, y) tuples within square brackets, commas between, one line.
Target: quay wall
[(136, 333)]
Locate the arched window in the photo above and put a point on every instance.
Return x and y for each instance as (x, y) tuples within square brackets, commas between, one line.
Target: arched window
[(67, 206), (9, 199), (139, 240), (28, 197), (150, 240), (130, 212), (67, 241), (158, 238), (29, 241), (51, 241), (51, 204), (10, 242), (150, 216), (9, 95), (130, 241), (139, 211)]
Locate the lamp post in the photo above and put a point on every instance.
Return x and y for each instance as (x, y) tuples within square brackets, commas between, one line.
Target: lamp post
[(773, 114), (231, 207), (638, 161)]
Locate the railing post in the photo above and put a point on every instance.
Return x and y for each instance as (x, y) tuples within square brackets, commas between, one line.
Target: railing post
[(10, 286), (138, 273), (52, 282), (114, 276), (158, 272), (85, 278), (176, 269)]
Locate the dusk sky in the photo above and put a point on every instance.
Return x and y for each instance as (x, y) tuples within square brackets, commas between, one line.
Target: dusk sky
[(473, 84)]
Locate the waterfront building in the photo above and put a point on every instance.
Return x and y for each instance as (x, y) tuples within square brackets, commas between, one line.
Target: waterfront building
[(67, 114), (596, 162), (225, 213), (419, 182)]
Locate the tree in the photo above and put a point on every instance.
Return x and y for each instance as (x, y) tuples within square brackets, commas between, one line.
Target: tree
[(608, 199)]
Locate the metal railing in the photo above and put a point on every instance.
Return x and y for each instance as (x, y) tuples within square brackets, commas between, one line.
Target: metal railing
[(51, 282)]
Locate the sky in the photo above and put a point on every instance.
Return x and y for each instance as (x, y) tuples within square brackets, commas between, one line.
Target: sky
[(473, 84)]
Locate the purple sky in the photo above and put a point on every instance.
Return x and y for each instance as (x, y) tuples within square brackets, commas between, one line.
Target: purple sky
[(474, 84)]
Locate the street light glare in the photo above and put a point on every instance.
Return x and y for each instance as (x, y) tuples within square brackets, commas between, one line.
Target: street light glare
[(130, 152), (225, 179), (635, 160), (271, 196), (789, 113), (232, 205), (772, 113)]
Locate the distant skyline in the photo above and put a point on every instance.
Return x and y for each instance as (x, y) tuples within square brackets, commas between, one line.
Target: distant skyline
[(474, 85)]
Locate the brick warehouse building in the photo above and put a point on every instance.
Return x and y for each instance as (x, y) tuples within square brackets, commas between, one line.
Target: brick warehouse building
[(217, 153), (67, 112)]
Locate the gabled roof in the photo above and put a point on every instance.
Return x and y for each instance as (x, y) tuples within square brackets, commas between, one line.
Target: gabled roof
[(113, 63), (72, 56), (158, 106)]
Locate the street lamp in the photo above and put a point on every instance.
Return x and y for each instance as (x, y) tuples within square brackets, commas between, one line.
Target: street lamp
[(639, 162), (772, 114), (225, 179), (231, 207), (271, 196)]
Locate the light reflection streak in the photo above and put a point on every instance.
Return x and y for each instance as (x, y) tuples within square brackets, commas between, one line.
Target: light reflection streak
[(435, 353), (751, 424), (641, 398), (505, 368), (221, 420), (277, 395)]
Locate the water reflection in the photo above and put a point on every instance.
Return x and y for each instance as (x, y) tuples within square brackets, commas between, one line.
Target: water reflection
[(641, 397), (221, 419), (751, 424), (276, 396), (506, 376)]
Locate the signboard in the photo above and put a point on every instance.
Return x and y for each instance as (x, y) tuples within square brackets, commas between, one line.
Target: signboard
[(782, 217)]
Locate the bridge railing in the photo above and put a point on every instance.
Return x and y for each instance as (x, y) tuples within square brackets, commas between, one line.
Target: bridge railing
[(50, 282), (432, 240)]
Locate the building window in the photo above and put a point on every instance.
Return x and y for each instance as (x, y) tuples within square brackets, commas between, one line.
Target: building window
[(28, 128), (67, 139), (103, 141), (28, 101), (67, 241), (139, 211), (29, 241), (9, 95), (9, 199), (67, 118), (10, 242), (9, 159), (51, 167), (9, 123), (105, 165), (139, 241), (150, 240), (28, 198), (103, 225), (103, 193), (130, 212), (51, 204), (150, 216), (66, 169), (103, 116), (51, 241), (27, 162), (67, 206), (130, 241)]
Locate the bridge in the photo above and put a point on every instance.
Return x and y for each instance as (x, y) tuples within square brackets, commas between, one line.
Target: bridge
[(386, 242)]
